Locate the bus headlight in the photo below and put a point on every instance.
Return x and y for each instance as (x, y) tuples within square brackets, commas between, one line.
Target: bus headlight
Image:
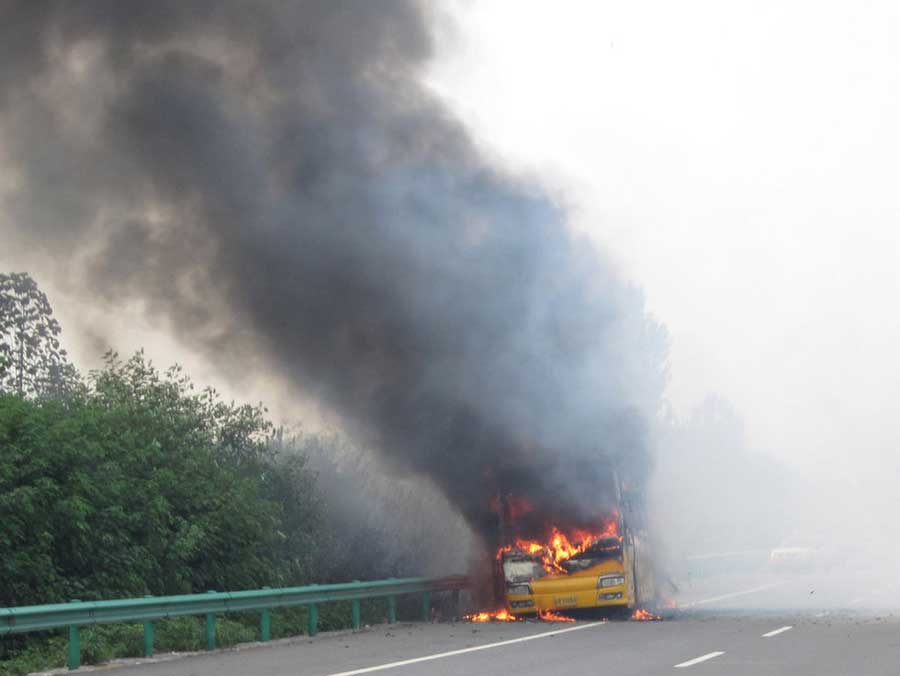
[(519, 589), (610, 580)]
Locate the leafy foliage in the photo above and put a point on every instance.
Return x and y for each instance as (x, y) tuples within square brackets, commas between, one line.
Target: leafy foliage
[(142, 486), (132, 482), (32, 362)]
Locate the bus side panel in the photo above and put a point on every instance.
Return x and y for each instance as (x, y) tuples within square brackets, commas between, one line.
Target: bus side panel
[(646, 580), (628, 558)]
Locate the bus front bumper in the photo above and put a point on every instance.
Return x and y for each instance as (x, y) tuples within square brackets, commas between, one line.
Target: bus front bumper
[(569, 600)]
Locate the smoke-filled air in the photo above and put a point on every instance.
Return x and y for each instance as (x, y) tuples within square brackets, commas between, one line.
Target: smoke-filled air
[(580, 303), (273, 185)]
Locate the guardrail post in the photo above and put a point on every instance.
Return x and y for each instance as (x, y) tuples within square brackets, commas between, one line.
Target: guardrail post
[(264, 623), (426, 606), (313, 623), (354, 611), (210, 628), (74, 660), (392, 609), (148, 634)]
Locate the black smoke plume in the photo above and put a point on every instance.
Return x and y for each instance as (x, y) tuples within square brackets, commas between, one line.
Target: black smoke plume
[(273, 181)]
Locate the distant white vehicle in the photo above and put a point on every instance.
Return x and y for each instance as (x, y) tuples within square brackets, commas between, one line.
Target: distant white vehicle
[(793, 559)]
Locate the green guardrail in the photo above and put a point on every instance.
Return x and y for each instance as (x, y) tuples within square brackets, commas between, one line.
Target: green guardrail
[(77, 613)]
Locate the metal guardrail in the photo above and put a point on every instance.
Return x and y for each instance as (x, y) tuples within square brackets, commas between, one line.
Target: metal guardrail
[(77, 614)]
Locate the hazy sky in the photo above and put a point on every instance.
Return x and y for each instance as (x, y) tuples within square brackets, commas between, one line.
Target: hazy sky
[(741, 159)]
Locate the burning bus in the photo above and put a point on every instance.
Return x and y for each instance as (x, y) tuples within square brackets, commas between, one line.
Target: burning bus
[(558, 566)]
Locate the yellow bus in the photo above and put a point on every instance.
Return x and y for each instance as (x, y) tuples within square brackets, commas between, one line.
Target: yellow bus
[(608, 566)]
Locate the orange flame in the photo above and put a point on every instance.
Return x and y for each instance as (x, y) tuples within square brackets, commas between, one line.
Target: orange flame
[(642, 615), (550, 616), (561, 546), (492, 616), (505, 616)]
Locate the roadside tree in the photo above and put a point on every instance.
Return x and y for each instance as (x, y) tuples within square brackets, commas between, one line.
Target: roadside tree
[(32, 361)]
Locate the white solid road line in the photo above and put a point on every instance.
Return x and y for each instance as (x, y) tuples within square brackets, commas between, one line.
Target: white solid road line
[(730, 596), (698, 660), (462, 651), (780, 630)]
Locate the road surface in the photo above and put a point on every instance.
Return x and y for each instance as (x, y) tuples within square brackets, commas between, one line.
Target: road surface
[(729, 626)]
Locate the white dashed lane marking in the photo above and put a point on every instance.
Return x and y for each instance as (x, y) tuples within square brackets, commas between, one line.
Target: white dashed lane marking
[(775, 632), (698, 660)]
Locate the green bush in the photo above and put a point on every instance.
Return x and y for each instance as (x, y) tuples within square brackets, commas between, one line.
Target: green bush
[(178, 635), (36, 654), (134, 484), (105, 642), (139, 486)]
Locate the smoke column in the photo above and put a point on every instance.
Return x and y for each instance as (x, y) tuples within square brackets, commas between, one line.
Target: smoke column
[(272, 181)]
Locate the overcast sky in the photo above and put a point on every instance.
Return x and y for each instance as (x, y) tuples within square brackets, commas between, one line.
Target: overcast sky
[(741, 159)]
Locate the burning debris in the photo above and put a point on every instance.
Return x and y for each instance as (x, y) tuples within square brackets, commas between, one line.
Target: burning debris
[(550, 616), (642, 615), (505, 616), (493, 616)]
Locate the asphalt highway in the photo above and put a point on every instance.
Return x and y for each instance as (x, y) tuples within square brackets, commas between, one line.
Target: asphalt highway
[(728, 626)]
